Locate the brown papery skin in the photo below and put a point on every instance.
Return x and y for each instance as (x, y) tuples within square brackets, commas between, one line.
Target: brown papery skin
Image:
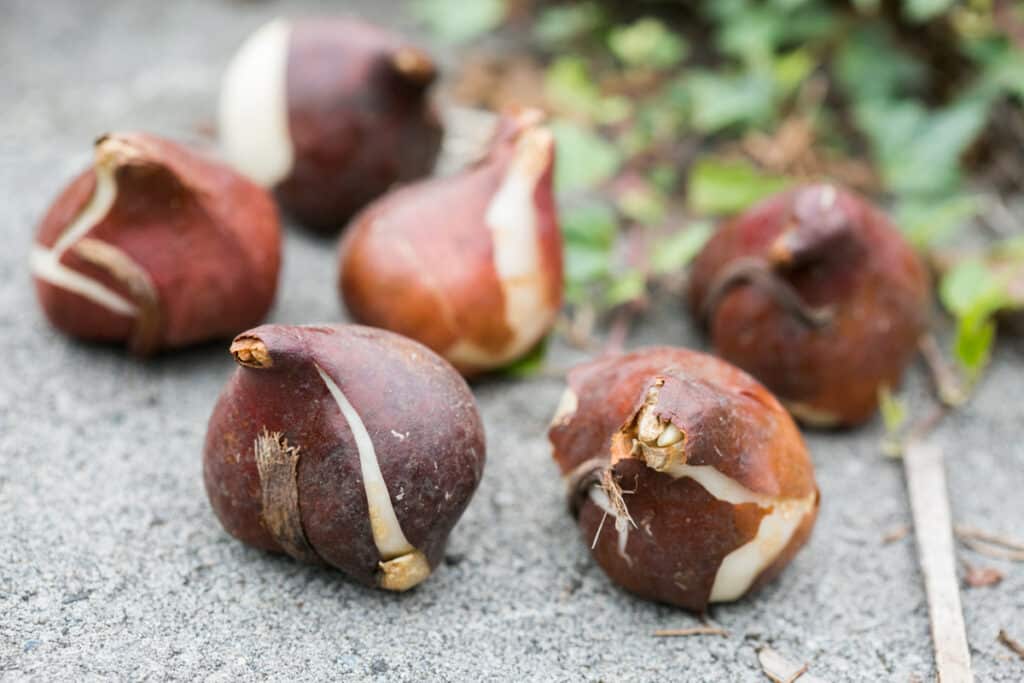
[(419, 413), (358, 124), (420, 261), (872, 281), (207, 238), (683, 533)]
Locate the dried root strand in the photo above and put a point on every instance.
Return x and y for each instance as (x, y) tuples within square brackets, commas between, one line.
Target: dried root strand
[(278, 463), (759, 274), (614, 491), (693, 631), (1010, 643), (992, 545)]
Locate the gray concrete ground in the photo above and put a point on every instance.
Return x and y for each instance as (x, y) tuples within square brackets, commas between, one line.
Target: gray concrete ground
[(112, 564)]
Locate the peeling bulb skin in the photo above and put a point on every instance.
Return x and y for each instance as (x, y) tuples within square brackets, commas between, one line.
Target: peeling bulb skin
[(156, 247), (387, 443), (815, 293), (470, 264), (688, 479), (330, 113)]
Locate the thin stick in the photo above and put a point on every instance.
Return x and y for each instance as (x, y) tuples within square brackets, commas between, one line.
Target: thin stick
[(964, 531), (992, 550), (781, 670), (933, 531), (1009, 642), (948, 386), (695, 631)]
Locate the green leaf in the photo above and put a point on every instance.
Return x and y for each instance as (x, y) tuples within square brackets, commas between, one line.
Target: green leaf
[(867, 6), (664, 176), (923, 10), (752, 35), (647, 43), (894, 410), (721, 100), (629, 286), (584, 159), (975, 290), (585, 265), (643, 204), (918, 149), (972, 293), (971, 289), (563, 23), (591, 223), (792, 69), (569, 86), (674, 252), (719, 186), (975, 335), (530, 364), (871, 66), (589, 229), (457, 21), (894, 417), (1002, 69), (929, 221)]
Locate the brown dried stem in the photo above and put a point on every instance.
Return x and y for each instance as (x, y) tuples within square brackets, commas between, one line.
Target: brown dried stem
[(1012, 644), (929, 503), (693, 631), (759, 274)]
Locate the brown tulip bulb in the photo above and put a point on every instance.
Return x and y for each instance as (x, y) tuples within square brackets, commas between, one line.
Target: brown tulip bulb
[(330, 113), (157, 247), (815, 293), (471, 264), (346, 446), (690, 482)]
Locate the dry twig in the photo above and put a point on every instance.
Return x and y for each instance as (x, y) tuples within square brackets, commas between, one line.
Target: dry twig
[(933, 531), (964, 531), (693, 631), (897, 534), (994, 551), (781, 670), (1009, 642), (948, 386)]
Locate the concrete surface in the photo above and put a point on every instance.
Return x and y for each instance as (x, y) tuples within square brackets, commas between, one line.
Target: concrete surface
[(113, 566)]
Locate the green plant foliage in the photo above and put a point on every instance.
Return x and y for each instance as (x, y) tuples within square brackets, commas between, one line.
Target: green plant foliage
[(933, 220), (918, 150), (723, 187), (530, 364), (923, 10), (569, 86), (973, 292), (673, 253), (585, 159), (637, 94), (628, 286), (870, 66), (565, 23), (589, 229), (457, 21), (894, 417), (721, 99), (647, 43), (644, 204)]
